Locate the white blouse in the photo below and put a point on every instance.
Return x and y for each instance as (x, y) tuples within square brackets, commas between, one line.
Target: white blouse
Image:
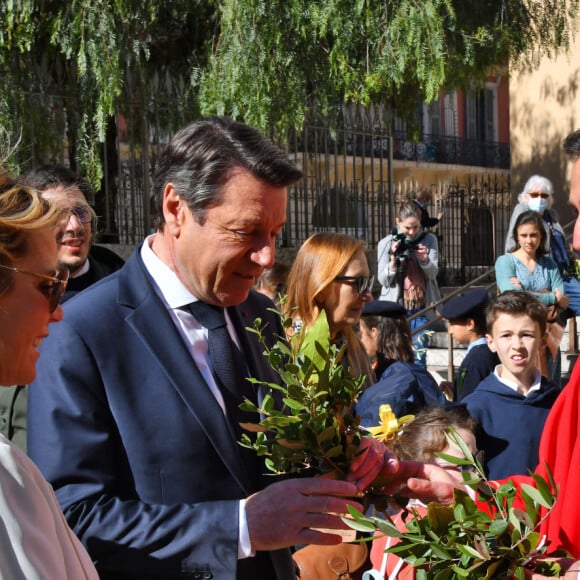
[(36, 542)]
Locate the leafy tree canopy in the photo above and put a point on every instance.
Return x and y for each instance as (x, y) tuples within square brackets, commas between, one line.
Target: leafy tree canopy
[(271, 63)]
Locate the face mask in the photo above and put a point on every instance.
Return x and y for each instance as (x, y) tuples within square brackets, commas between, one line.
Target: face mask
[(415, 237), (538, 204)]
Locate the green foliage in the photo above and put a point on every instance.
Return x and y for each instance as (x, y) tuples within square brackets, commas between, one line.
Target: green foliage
[(461, 541), (316, 428), (270, 63)]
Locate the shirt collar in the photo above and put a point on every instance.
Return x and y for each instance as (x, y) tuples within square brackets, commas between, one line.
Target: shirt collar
[(535, 386), (477, 342), (169, 286), (82, 270)]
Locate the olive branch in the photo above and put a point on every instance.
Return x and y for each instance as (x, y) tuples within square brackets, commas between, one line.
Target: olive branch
[(462, 541)]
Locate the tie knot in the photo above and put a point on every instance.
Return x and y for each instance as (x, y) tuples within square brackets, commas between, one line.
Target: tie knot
[(210, 316)]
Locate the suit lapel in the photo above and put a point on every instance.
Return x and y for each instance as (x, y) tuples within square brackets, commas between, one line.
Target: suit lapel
[(152, 323)]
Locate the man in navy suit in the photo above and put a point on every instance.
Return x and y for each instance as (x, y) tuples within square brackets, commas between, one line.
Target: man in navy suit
[(127, 419)]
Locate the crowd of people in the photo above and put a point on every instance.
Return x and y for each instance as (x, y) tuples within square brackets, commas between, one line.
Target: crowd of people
[(134, 397)]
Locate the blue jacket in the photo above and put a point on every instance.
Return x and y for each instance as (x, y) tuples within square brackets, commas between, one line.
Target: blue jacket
[(510, 425), (476, 365), (406, 387), (138, 450)]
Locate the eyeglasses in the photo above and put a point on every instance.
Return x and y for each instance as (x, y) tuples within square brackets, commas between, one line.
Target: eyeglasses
[(541, 194), (54, 287), (82, 213), (362, 284)]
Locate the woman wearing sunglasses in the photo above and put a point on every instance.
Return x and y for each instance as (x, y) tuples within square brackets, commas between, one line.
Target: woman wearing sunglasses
[(35, 540), (538, 196), (331, 273)]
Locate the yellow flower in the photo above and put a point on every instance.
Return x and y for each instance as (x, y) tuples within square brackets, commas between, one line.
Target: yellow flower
[(390, 425)]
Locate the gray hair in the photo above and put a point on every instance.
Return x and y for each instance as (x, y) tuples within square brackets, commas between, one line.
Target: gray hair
[(201, 157), (538, 183)]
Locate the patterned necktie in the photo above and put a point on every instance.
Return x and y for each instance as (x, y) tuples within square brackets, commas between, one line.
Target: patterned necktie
[(229, 368)]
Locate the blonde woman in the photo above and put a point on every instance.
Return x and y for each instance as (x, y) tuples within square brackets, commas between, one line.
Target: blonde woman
[(35, 540)]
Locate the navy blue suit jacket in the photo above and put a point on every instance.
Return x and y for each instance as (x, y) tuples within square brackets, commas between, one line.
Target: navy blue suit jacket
[(138, 450)]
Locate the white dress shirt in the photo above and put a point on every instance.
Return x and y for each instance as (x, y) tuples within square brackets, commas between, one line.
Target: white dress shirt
[(175, 296)]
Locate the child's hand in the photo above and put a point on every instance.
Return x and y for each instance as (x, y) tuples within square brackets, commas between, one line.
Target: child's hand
[(515, 282), (562, 299)]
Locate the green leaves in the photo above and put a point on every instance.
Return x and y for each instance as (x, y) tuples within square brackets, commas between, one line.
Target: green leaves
[(463, 542), (315, 428)]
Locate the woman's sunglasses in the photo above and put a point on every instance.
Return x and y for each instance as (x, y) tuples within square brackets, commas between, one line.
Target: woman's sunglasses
[(54, 286), (362, 284)]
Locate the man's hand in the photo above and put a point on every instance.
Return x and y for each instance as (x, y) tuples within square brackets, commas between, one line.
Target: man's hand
[(285, 513)]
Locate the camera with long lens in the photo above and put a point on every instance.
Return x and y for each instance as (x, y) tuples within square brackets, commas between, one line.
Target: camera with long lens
[(403, 250)]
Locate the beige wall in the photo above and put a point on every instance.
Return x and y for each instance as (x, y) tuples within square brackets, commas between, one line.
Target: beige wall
[(544, 108)]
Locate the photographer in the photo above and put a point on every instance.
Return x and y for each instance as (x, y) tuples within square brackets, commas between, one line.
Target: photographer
[(407, 270)]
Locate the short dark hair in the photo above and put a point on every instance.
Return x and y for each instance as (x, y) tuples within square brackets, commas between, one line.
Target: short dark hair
[(200, 158), (395, 339), (479, 321), (517, 302), (48, 176), (532, 217), (571, 144)]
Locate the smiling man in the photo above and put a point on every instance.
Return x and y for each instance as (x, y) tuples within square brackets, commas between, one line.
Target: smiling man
[(87, 263)]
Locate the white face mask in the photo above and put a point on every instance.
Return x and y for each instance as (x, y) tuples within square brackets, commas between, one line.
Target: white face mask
[(538, 204)]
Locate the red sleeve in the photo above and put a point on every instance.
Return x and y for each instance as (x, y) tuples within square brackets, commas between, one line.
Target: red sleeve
[(560, 451)]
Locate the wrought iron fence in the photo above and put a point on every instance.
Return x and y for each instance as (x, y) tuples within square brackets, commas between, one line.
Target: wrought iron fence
[(347, 187), (355, 194)]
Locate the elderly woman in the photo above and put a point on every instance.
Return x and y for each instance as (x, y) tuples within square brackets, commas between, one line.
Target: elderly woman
[(538, 196), (35, 540)]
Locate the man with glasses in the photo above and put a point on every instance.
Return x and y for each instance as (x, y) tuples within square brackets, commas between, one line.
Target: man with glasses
[(86, 264), (86, 261)]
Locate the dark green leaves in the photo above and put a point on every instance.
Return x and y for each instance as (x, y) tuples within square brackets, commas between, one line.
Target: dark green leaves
[(463, 542), (315, 428)]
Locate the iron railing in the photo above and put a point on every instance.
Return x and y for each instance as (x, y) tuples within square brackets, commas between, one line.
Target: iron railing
[(348, 184)]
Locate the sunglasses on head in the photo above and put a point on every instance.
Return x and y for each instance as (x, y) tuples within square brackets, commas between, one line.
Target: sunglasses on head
[(362, 284), (54, 286), (541, 194)]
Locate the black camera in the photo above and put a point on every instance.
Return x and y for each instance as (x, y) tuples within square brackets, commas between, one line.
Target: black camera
[(403, 250)]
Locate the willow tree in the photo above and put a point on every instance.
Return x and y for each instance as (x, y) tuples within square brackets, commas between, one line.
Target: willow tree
[(68, 67), (273, 62), (268, 62)]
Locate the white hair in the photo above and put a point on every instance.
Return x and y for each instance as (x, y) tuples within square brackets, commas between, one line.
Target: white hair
[(537, 183)]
